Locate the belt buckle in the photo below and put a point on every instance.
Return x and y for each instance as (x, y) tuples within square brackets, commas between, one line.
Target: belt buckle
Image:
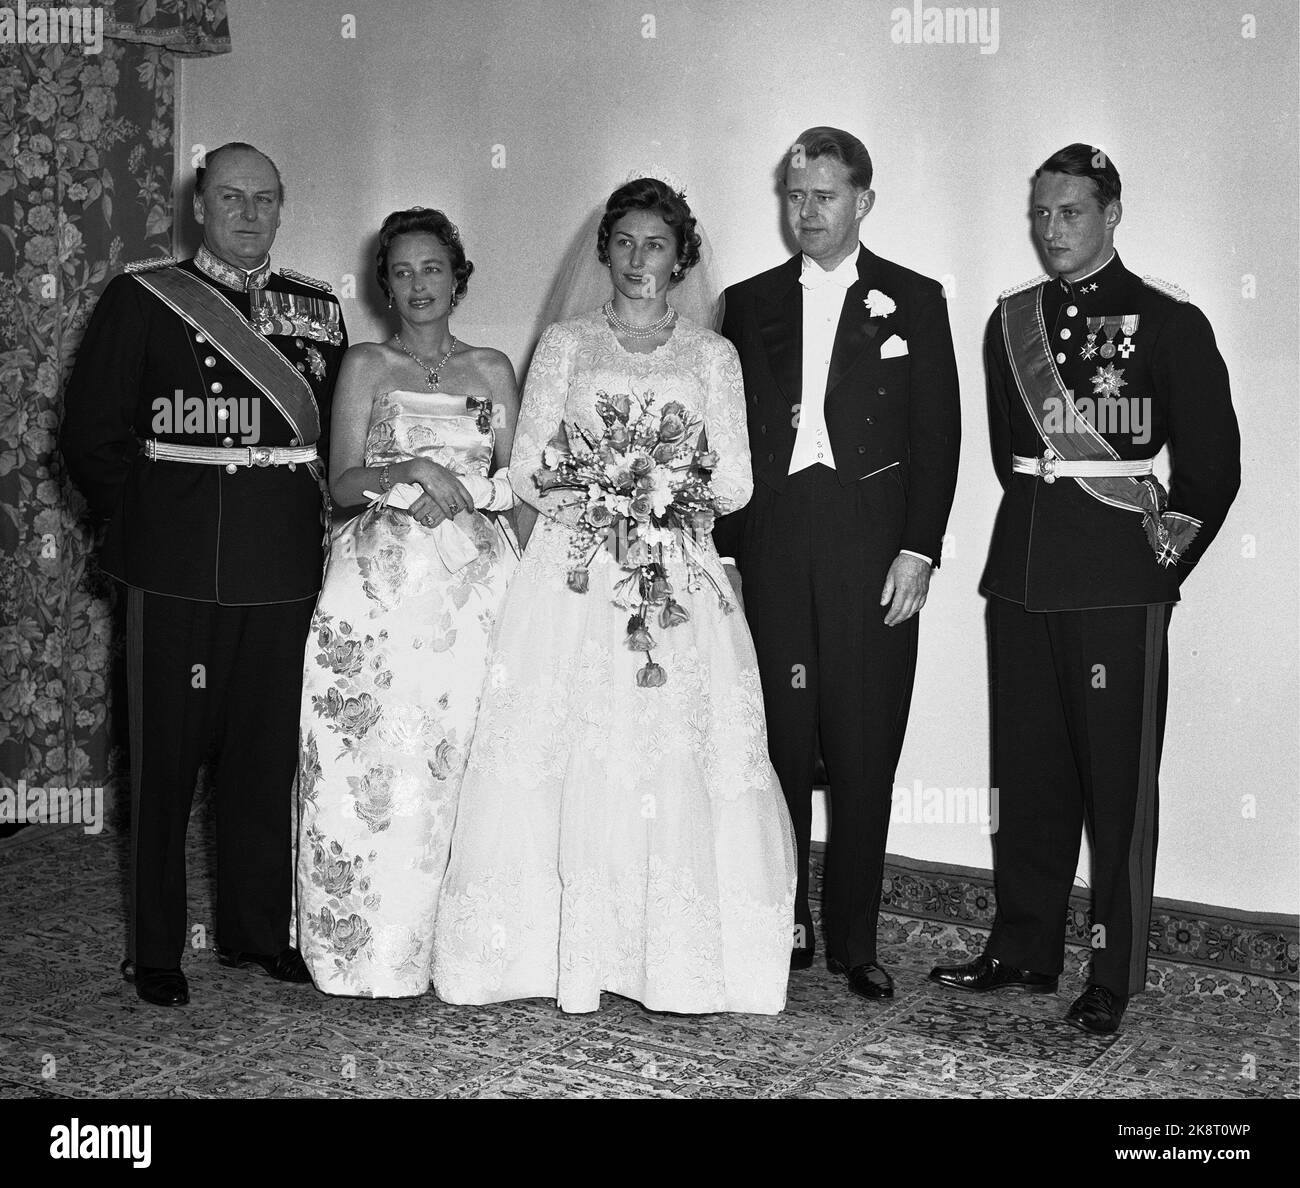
[(259, 455), (1047, 467)]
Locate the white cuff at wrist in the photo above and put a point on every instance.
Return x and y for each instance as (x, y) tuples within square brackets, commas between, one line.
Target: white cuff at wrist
[(490, 494)]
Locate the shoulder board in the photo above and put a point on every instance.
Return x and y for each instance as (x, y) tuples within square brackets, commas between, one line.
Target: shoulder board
[(1029, 284), (1165, 287), (152, 264), (303, 278)]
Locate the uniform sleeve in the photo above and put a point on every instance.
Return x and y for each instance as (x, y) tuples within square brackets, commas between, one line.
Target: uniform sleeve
[(997, 379), (546, 392), (733, 478), (1204, 441), (728, 531), (97, 437), (934, 424)]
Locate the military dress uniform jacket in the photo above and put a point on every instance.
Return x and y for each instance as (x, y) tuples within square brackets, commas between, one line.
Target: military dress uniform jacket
[(199, 531), (1055, 546), (894, 419)]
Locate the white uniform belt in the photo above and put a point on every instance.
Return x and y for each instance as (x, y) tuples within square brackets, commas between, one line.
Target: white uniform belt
[(1050, 468), (163, 451)]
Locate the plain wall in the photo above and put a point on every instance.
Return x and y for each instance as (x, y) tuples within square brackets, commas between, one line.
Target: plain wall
[(517, 119)]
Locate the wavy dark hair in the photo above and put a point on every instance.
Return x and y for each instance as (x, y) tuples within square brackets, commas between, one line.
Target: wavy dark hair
[(422, 220), (649, 193), (1086, 160)]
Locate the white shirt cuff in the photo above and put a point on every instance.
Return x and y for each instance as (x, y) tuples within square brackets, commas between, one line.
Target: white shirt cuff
[(928, 560)]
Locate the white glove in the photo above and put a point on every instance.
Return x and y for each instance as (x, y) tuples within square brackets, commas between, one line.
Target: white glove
[(490, 494)]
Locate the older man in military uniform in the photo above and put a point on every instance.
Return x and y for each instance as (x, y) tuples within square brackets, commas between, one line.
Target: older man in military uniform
[(194, 425), (1091, 371)]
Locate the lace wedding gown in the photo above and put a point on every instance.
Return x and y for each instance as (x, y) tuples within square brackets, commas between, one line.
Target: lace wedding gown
[(393, 672), (611, 837)]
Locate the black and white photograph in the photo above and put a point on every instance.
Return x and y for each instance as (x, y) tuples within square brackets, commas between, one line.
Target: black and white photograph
[(687, 549)]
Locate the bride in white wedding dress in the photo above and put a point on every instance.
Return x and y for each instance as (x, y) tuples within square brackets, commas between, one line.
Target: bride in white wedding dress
[(611, 836)]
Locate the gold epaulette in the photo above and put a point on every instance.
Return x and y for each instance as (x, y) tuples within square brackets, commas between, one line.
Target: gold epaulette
[(303, 278), (151, 264), (1029, 284), (1165, 287)]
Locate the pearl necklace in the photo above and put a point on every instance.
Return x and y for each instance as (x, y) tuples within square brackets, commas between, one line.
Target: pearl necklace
[(630, 331), (434, 373)]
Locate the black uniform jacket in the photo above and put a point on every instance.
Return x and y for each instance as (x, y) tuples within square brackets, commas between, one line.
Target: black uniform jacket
[(177, 528), (895, 419), (1056, 547)]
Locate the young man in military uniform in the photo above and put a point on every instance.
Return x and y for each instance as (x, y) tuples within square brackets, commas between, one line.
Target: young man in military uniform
[(195, 426), (1091, 372)]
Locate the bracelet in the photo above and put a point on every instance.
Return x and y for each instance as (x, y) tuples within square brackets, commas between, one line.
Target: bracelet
[(385, 483)]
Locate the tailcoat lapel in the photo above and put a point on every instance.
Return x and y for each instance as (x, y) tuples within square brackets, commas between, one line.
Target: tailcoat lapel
[(857, 329), (780, 326)]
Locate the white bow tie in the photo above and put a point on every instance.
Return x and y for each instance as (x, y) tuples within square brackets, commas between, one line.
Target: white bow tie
[(814, 276)]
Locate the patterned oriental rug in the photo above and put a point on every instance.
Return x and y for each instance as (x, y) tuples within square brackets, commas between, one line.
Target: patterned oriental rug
[(1219, 1022)]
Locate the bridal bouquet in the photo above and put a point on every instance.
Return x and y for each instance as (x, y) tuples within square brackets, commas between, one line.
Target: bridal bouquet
[(646, 493)]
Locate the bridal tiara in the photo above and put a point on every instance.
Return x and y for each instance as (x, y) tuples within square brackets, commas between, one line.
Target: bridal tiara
[(657, 172)]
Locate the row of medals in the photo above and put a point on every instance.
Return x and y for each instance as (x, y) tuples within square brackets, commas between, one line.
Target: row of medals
[(1126, 324)]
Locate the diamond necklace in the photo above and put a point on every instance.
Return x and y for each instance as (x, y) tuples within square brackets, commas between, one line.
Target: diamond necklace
[(434, 373), (630, 331)]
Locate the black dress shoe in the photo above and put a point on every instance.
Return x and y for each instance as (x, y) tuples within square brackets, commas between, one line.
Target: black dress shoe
[(1097, 1010), (868, 979), (801, 958), (162, 987), (988, 973), (287, 965)]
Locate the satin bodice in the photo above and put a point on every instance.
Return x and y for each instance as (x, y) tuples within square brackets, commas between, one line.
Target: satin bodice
[(454, 431)]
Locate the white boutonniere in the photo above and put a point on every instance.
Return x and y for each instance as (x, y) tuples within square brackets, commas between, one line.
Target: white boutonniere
[(878, 305)]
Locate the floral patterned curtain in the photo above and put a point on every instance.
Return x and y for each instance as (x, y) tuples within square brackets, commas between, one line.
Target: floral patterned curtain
[(85, 186)]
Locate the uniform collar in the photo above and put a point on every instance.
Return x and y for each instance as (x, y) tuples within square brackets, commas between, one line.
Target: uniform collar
[(228, 274), (844, 275), (1095, 283)]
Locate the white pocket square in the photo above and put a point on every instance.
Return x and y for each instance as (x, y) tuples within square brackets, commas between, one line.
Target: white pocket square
[(893, 347)]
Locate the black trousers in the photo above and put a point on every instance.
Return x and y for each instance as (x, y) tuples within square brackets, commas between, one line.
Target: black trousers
[(813, 560), (221, 681), (1078, 709)]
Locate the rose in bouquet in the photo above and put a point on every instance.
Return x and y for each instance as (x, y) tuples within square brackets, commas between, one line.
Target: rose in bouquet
[(646, 495)]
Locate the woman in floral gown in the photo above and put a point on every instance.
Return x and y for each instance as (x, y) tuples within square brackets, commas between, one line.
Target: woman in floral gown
[(396, 655), (615, 835)]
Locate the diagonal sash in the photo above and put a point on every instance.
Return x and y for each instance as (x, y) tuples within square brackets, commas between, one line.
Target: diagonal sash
[(1040, 386), (229, 331)]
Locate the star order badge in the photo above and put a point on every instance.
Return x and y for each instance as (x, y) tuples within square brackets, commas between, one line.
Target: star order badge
[(316, 361), (1108, 381)]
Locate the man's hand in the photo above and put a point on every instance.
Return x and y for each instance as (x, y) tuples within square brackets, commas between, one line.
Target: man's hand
[(906, 585), (733, 576)]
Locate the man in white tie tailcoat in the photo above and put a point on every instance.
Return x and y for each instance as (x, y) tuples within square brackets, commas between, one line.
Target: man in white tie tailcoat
[(854, 430)]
